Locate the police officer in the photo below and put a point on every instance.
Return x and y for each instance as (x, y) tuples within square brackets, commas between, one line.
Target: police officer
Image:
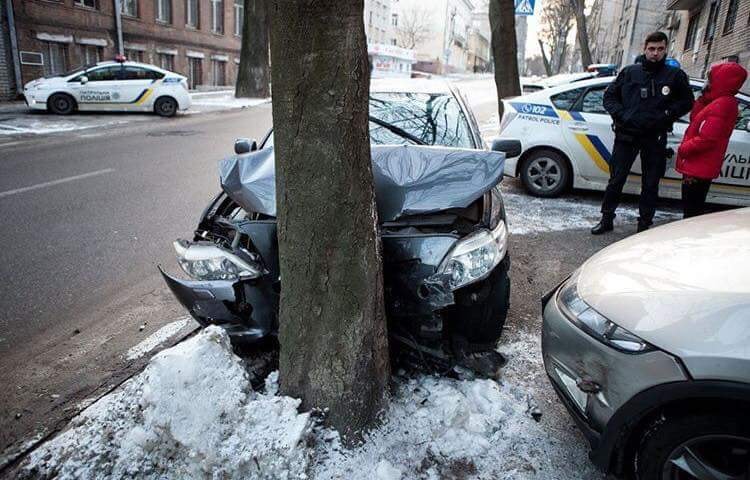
[(644, 101)]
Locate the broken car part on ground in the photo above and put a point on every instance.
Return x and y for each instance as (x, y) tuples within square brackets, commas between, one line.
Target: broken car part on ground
[(444, 234)]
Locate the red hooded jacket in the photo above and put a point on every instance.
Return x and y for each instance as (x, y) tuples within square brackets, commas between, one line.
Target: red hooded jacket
[(712, 120)]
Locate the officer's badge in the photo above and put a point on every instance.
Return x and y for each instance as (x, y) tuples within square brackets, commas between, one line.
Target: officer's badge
[(665, 90)]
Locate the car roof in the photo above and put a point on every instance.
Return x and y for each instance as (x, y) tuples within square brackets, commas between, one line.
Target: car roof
[(128, 63), (410, 85)]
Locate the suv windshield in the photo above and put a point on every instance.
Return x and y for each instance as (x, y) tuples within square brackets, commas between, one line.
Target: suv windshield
[(416, 118)]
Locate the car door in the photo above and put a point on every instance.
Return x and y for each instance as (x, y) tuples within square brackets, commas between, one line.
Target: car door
[(587, 130), (137, 88), (99, 92)]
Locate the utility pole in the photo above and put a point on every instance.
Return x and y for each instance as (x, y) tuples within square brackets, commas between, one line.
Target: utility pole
[(118, 25)]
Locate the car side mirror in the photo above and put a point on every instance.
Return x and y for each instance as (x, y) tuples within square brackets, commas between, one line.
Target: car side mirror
[(511, 148), (244, 145), (84, 80)]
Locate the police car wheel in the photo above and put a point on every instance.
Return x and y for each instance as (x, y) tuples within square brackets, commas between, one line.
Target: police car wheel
[(61, 104), (165, 107), (545, 173)]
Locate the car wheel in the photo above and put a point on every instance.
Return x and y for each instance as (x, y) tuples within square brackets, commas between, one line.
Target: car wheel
[(545, 173), (165, 107), (705, 447), (61, 104)]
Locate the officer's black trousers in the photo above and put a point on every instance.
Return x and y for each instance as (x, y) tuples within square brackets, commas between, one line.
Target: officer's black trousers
[(653, 165), (694, 193)]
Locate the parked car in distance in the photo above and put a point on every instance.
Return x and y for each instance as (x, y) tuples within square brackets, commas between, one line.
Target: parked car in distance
[(648, 346), (110, 86), (566, 137)]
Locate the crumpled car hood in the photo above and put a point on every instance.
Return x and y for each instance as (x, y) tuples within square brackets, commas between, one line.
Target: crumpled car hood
[(409, 180)]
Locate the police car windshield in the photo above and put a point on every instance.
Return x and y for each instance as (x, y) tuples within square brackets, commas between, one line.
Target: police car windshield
[(72, 71)]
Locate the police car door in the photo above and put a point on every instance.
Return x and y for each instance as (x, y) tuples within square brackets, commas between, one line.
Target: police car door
[(587, 128), (99, 91), (137, 89), (733, 184)]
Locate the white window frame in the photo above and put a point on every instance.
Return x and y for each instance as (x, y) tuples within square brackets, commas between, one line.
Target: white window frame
[(124, 7), (192, 16), (217, 16), (164, 11), (82, 3), (239, 16)]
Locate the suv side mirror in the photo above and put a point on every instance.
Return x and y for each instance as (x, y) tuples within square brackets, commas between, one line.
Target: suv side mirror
[(84, 80), (244, 145), (511, 148)]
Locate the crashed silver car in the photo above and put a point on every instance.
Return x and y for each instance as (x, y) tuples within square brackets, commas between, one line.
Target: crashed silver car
[(442, 225)]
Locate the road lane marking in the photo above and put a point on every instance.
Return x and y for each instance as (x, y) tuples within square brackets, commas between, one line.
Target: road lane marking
[(157, 338), (8, 193)]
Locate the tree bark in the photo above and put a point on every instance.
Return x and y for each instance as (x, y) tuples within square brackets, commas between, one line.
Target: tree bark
[(504, 50), (582, 33), (545, 60), (332, 329), (254, 73)]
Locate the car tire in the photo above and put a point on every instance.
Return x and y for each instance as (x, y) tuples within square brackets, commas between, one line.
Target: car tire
[(672, 446), (61, 104), (545, 173), (165, 107)]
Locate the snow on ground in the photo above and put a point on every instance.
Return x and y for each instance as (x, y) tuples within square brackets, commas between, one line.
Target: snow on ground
[(192, 414), (156, 338), (42, 126), (222, 100), (528, 214)]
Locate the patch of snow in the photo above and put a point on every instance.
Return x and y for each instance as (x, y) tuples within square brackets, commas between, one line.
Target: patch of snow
[(527, 214), (223, 100), (192, 414), (156, 338), (41, 127)]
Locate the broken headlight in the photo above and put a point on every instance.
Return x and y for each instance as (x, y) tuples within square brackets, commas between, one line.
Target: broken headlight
[(211, 262), (596, 324), (473, 258)]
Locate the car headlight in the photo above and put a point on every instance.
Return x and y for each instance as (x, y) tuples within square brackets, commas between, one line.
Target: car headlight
[(211, 262), (473, 258), (596, 324)]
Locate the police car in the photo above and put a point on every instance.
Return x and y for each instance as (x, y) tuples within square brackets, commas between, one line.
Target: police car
[(110, 86), (567, 139)]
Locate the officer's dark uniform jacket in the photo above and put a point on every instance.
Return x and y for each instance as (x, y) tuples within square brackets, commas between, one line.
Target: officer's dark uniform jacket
[(646, 99)]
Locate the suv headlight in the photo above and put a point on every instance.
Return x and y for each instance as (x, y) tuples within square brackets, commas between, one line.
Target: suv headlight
[(210, 262), (595, 324), (473, 258)]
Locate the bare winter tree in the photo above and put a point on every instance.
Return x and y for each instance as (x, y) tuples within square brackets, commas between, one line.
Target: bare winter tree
[(594, 26), (504, 50), (254, 72), (545, 60), (414, 26), (582, 32), (556, 23), (332, 330)]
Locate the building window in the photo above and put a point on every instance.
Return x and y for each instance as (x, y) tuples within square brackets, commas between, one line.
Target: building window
[(218, 72), (57, 58), (134, 55), (394, 19), (86, 3), (90, 54), (166, 61), (692, 30), (239, 16), (217, 16), (731, 16), (164, 11), (195, 73), (130, 8), (713, 15), (192, 14)]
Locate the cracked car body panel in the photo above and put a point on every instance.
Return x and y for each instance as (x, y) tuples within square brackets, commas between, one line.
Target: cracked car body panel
[(409, 180)]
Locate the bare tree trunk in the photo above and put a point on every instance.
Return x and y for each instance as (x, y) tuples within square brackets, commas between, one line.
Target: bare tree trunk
[(582, 33), (504, 50), (254, 73), (332, 329), (545, 60)]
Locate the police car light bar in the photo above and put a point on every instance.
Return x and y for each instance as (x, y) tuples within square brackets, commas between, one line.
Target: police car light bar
[(120, 58)]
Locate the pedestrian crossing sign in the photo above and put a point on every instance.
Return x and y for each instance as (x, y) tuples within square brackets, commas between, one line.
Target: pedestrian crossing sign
[(524, 7)]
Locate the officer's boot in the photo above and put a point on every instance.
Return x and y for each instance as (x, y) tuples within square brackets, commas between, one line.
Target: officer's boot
[(642, 225), (606, 224)]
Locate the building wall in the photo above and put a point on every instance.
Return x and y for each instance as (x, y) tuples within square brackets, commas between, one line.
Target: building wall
[(40, 23), (696, 58), (378, 21), (637, 18), (7, 74)]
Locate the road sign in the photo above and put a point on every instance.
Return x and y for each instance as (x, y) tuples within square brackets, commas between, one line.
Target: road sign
[(524, 7)]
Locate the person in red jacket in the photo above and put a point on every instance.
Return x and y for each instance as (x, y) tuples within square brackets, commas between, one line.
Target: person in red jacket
[(712, 120)]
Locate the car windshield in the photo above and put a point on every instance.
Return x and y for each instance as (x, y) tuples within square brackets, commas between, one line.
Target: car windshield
[(72, 71), (416, 118)]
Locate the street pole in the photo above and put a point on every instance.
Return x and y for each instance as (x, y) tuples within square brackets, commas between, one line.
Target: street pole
[(118, 24), (14, 46)]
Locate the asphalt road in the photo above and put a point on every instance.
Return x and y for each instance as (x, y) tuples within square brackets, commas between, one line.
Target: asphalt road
[(85, 221)]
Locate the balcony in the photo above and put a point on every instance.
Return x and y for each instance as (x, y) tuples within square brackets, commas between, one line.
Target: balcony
[(684, 4)]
